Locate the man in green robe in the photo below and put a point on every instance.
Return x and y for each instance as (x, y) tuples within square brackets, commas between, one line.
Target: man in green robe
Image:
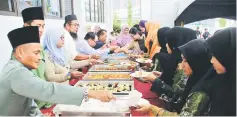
[(19, 86), (34, 16)]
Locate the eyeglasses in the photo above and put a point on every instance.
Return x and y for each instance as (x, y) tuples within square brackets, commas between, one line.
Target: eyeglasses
[(76, 25)]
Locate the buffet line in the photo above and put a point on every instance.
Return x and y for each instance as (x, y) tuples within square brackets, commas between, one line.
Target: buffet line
[(116, 75)]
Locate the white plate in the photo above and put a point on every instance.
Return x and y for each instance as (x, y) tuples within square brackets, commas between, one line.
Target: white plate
[(125, 63), (143, 101), (136, 74), (141, 60)]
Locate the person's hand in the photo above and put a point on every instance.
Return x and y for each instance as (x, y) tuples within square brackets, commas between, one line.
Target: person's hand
[(94, 56), (47, 115), (93, 61), (117, 50), (143, 108), (157, 73), (99, 61), (145, 68), (151, 77), (148, 65), (102, 95), (113, 48), (76, 74)]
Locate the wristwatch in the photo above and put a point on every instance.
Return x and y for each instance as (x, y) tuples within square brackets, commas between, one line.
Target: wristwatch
[(68, 75), (86, 97)]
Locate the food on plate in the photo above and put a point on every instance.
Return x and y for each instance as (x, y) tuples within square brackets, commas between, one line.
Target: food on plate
[(144, 60), (108, 76), (128, 63), (113, 87), (140, 74)]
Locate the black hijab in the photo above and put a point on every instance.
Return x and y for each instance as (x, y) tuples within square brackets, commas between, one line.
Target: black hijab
[(163, 54), (223, 47), (198, 57), (176, 37), (161, 36)]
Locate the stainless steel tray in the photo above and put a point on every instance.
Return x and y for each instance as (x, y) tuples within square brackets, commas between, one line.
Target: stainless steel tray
[(99, 68), (107, 76), (112, 61), (116, 87), (117, 57)]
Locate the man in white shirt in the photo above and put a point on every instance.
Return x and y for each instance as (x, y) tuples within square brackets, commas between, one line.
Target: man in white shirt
[(71, 26), (85, 46)]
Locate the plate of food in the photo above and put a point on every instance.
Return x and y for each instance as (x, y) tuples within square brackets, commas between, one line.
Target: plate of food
[(140, 74), (128, 63), (144, 60)]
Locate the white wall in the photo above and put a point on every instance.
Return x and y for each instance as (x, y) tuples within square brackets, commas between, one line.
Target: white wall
[(145, 9)]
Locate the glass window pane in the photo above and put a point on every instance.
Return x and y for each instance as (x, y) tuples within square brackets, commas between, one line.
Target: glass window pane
[(52, 8), (92, 11), (68, 7), (6, 5), (103, 15), (29, 3), (100, 20)]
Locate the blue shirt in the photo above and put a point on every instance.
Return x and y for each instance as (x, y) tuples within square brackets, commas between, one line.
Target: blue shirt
[(99, 44), (84, 48)]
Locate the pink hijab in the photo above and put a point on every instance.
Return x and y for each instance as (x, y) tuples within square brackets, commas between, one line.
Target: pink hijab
[(123, 38)]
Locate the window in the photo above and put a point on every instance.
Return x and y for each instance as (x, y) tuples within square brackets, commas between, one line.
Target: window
[(28, 3), (68, 5), (94, 10), (53, 8), (88, 17), (7, 5)]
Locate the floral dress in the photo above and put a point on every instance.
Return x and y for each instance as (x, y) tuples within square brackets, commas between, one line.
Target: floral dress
[(197, 104)]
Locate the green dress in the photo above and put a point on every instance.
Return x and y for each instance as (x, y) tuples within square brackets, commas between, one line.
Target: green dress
[(159, 87), (40, 73), (197, 104)]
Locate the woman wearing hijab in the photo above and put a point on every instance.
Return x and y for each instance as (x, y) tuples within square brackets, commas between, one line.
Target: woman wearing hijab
[(163, 50), (57, 65), (223, 48), (124, 38), (150, 42), (196, 62), (176, 37), (172, 74), (136, 46), (142, 27)]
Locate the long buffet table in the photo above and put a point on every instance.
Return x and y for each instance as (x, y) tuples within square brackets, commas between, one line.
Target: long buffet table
[(144, 88)]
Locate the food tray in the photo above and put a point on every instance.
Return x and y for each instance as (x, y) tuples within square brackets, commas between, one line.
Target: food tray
[(110, 68), (107, 76), (112, 61), (117, 57), (116, 87)]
